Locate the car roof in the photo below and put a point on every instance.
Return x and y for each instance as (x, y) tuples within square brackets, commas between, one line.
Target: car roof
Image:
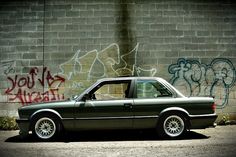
[(126, 78)]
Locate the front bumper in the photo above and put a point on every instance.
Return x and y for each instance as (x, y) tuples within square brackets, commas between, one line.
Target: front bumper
[(202, 121), (23, 125)]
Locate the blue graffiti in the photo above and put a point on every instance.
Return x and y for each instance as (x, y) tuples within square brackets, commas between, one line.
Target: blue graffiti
[(194, 78)]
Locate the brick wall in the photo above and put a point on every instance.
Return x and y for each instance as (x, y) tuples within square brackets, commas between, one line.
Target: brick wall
[(53, 50)]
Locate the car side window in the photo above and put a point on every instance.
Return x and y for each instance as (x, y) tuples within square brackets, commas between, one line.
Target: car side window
[(111, 91), (151, 89)]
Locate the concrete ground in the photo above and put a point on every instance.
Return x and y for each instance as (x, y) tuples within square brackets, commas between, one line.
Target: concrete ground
[(211, 142)]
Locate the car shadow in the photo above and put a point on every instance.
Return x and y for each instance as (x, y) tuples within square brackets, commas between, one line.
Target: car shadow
[(101, 136)]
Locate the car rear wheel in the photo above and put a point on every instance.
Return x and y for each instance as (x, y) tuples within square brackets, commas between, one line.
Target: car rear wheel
[(172, 126), (46, 128)]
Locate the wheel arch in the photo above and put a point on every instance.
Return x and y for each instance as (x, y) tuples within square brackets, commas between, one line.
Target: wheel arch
[(179, 110), (44, 112), (174, 109)]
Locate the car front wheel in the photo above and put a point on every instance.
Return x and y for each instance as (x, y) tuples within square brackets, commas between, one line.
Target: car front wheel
[(172, 126), (45, 128)]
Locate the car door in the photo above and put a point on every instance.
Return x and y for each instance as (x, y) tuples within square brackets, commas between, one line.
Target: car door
[(151, 97), (108, 106)]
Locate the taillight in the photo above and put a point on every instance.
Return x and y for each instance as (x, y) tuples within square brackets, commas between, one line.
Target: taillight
[(213, 107)]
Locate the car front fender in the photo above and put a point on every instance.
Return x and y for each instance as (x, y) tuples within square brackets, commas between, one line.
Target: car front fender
[(45, 110)]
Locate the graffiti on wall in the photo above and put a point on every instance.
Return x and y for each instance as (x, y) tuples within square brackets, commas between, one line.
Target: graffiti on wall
[(75, 75), (196, 79), (81, 71), (7, 67), (39, 85), (191, 76)]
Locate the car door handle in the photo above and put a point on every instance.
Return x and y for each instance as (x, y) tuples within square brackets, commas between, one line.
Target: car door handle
[(128, 105)]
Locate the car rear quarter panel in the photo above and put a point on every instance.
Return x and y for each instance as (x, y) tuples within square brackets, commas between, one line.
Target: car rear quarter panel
[(193, 106), (153, 108)]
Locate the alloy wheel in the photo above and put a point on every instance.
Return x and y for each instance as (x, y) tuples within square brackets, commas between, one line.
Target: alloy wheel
[(45, 128), (173, 126)]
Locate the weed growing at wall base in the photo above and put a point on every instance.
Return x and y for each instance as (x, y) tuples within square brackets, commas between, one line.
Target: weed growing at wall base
[(8, 123), (226, 119)]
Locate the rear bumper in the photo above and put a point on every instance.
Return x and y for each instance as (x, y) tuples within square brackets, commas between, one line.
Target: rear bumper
[(23, 125), (202, 121)]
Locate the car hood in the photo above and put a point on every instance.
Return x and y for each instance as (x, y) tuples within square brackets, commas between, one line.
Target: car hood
[(53, 104)]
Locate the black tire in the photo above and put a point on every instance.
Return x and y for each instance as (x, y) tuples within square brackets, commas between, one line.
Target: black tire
[(171, 125), (46, 128)]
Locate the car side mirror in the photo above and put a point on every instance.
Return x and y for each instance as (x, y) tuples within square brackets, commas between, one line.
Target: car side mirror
[(85, 97)]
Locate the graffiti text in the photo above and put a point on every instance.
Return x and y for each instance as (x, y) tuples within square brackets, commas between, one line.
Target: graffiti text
[(36, 86), (214, 79)]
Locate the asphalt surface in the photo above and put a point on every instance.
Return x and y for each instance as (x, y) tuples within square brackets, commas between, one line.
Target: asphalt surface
[(211, 142)]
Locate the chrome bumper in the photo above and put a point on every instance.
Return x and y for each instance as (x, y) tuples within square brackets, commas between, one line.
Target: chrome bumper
[(23, 125), (202, 121)]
